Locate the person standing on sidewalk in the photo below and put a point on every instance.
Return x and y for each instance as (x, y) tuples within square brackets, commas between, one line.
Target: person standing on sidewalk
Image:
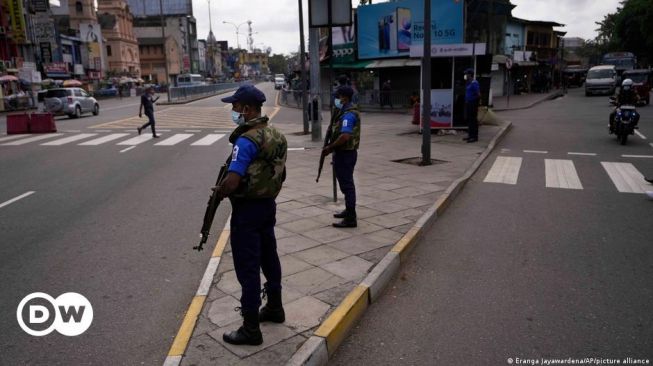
[(346, 132), (147, 103), (386, 94), (254, 179), (472, 98)]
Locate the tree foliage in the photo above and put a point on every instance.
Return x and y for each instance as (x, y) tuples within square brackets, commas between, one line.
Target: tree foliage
[(630, 29)]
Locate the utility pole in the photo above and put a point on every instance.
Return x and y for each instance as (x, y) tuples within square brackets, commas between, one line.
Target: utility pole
[(302, 60), (426, 87), (316, 103), (165, 55)]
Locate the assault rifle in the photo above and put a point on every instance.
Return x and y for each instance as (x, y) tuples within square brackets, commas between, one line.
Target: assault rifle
[(327, 141), (212, 206)]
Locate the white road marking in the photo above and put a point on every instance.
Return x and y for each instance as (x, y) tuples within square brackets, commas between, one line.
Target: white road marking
[(7, 203), (32, 139), (638, 156), (195, 131), (536, 151), (208, 139), (651, 144), (103, 139), (127, 149), (504, 170), (13, 137), (164, 130), (582, 154), (640, 135), (69, 139), (296, 148), (174, 140), (626, 177), (101, 130), (136, 140), (561, 174), (72, 131)]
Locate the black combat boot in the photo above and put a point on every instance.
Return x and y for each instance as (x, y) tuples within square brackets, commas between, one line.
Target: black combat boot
[(273, 309), (340, 215), (349, 220), (249, 333)]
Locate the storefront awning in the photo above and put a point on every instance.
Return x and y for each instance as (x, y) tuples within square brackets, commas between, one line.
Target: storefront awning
[(348, 65), (380, 64)]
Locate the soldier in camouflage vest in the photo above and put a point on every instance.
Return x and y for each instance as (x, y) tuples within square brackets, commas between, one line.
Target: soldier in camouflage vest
[(255, 177), (346, 135)]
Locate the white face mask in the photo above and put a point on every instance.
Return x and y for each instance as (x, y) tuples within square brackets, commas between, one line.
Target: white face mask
[(466, 77), (338, 103), (237, 117)]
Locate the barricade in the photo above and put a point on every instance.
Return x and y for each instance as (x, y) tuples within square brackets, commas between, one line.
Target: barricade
[(34, 123)]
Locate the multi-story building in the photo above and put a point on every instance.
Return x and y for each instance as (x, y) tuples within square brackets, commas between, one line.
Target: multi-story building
[(121, 45), (201, 50)]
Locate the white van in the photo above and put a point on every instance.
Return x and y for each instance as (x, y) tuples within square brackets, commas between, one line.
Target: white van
[(190, 80), (601, 79)]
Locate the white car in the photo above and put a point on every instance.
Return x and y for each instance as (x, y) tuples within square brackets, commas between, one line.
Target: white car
[(279, 82), (70, 101)]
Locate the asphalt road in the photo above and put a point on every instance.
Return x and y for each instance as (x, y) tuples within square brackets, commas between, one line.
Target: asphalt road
[(524, 270), (115, 227)]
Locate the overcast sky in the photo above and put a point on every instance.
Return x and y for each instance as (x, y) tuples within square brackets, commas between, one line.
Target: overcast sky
[(277, 21)]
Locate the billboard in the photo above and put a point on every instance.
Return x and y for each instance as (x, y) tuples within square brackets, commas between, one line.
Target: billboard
[(141, 8), (91, 34), (391, 29)]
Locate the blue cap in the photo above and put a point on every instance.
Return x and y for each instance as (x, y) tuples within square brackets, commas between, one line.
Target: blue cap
[(246, 94), (345, 91), (469, 71)]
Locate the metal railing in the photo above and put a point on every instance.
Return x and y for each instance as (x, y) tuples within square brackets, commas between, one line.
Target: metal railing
[(182, 93), (366, 99)]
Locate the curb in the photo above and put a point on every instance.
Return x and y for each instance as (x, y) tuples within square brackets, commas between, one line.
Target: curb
[(326, 339), (551, 96), (180, 343)]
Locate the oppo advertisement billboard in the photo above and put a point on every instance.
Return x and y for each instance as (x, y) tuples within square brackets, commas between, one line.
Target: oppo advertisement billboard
[(390, 29)]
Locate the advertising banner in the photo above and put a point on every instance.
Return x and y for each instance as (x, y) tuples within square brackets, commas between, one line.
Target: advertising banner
[(343, 44), (441, 108), (392, 29), (91, 34), (450, 50)]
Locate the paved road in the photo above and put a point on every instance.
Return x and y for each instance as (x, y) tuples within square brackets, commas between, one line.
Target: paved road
[(524, 270), (113, 222)]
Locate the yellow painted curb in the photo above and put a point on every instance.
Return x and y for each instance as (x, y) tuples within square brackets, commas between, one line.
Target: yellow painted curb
[(222, 242), (404, 244), (186, 330), (335, 328)]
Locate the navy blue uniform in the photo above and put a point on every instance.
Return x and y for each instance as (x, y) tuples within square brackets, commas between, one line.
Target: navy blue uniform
[(344, 162), (471, 108)]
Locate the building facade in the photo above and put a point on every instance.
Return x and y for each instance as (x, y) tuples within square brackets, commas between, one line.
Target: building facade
[(121, 45)]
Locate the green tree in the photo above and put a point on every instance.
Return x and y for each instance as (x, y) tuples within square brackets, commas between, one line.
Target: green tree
[(278, 64), (628, 29)]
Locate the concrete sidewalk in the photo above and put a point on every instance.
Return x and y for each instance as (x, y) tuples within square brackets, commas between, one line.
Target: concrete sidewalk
[(321, 264)]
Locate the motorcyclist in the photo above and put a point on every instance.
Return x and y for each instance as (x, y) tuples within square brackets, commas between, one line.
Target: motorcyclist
[(626, 96)]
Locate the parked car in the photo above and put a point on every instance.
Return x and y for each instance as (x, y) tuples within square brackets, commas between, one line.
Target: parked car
[(641, 82), (110, 91), (71, 101), (601, 80)]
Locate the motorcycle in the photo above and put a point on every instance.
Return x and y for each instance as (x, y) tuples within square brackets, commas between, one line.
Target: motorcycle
[(625, 122)]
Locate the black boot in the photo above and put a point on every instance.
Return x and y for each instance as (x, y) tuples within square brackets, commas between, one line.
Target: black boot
[(340, 215), (273, 309), (348, 221), (249, 333)]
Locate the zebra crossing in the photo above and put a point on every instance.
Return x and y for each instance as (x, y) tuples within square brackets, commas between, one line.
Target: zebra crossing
[(119, 139), (562, 174)]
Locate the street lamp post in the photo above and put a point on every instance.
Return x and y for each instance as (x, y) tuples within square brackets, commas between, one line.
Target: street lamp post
[(165, 57), (237, 30)]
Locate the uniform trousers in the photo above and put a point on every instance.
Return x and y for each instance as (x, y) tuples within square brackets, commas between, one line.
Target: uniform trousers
[(254, 248), (471, 116), (344, 162)]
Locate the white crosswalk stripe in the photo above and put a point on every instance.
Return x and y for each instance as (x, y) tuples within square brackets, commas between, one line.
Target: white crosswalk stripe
[(13, 137), (626, 177), (504, 170), (69, 139), (208, 139), (136, 140), (561, 174), (104, 139), (31, 139), (174, 140)]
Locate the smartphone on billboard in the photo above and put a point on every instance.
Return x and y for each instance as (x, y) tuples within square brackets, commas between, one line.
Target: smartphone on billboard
[(392, 30), (404, 27)]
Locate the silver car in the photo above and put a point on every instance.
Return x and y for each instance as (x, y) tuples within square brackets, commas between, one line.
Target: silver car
[(71, 101)]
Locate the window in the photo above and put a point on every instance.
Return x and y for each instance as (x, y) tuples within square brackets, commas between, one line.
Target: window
[(79, 7), (108, 50)]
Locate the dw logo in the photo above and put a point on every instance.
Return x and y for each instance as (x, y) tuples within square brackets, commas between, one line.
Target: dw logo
[(39, 314)]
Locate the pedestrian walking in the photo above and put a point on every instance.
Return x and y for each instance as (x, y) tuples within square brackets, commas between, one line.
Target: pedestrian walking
[(254, 179), (472, 98), (147, 104), (346, 130), (120, 91)]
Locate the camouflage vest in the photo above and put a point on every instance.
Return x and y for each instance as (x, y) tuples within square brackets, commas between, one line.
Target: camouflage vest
[(267, 171), (336, 126)]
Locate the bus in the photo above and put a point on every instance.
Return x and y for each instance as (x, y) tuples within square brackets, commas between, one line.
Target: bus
[(190, 80), (622, 61)]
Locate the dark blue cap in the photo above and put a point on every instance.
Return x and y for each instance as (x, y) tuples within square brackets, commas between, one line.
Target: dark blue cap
[(345, 91), (469, 71), (246, 94)]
